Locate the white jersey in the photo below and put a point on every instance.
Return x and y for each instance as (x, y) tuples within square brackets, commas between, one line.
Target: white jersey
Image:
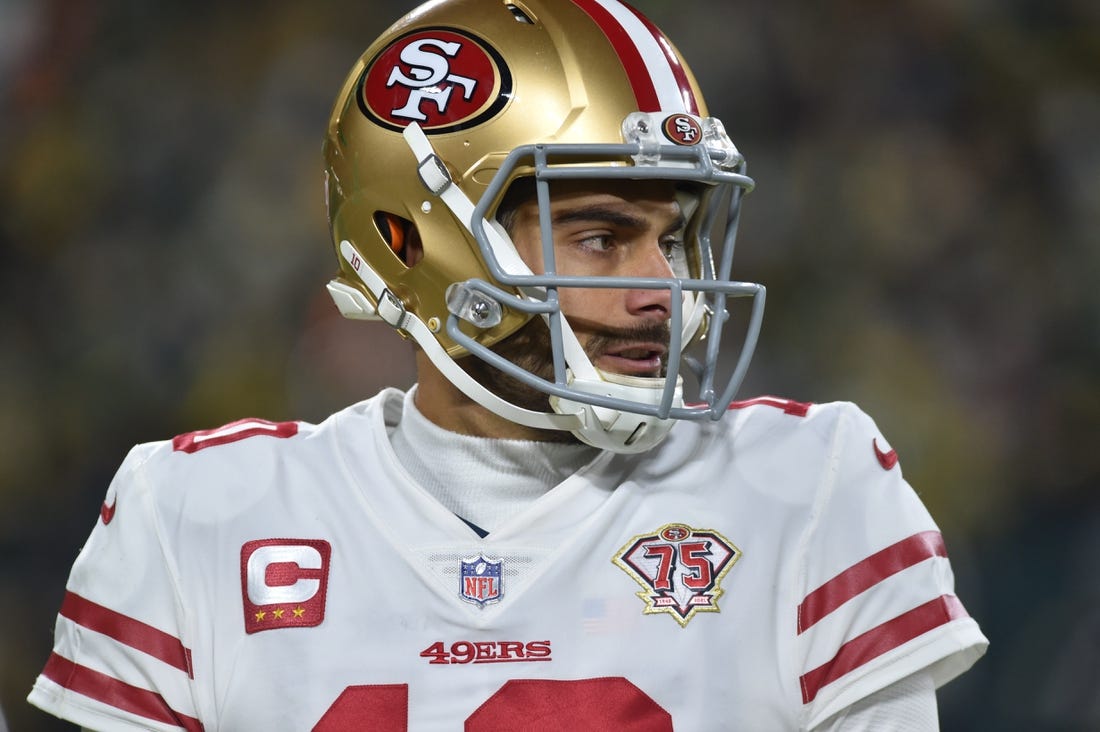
[(762, 573)]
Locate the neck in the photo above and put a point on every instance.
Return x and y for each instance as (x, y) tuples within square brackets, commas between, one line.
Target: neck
[(446, 406)]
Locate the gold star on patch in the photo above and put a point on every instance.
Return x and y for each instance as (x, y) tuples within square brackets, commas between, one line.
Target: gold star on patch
[(299, 612), (260, 615), (278, 613)]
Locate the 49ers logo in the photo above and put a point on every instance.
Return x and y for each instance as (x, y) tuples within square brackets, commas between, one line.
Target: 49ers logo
[(682, 129), (441, 78), (679, 568)]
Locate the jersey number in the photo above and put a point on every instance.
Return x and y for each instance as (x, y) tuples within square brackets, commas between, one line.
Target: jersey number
[(610, 704)]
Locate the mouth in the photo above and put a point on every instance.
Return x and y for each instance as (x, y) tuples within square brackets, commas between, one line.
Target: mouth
[(634, 359)]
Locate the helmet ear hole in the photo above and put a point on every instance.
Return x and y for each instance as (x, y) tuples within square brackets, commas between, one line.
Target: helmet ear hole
[(400, 234)]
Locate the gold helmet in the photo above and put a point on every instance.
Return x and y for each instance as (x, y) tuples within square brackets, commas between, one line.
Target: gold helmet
[(459, 99)]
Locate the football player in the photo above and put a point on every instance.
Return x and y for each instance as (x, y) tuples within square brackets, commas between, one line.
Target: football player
[(568, 523)]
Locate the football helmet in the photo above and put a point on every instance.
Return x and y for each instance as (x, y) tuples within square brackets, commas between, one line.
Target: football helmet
[(461, 98)]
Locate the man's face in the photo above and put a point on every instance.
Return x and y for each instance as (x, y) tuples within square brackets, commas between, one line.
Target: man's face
[(620, 229)]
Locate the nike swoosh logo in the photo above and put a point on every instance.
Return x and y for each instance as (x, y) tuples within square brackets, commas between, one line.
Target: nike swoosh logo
[(107, 512), (886, 459)]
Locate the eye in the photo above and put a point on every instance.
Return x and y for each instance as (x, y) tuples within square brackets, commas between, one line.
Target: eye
[(596, 242), (675, 252), (673, 247)]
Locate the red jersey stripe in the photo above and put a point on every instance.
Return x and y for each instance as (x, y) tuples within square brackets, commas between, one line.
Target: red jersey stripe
[(118, 694), (789, 406), (127, 631), (234, 431), (629, 55), (867, 573), (881, 639)]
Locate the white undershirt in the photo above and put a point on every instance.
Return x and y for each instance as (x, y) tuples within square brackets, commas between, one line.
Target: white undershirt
[(486, 481)]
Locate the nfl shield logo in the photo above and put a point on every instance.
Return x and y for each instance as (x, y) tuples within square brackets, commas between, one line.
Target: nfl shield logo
[(482, 581)]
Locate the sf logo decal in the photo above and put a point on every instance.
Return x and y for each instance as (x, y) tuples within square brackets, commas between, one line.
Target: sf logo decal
[(682, 129), (443, 79), (430, 78), (680, 569)]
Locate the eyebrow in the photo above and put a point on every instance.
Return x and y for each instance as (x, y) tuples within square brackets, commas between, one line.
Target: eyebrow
[(611, 216)]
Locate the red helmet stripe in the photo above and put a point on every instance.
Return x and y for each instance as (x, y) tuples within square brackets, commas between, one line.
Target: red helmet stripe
[(674, 65), (655, 73)]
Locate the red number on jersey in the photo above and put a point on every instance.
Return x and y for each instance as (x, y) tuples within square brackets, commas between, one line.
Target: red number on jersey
[(385, 705), (239, 430), (544, 705), (610, 704)]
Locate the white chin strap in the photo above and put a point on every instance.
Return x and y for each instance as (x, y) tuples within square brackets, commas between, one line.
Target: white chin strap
[(614, 429), (607, 429)]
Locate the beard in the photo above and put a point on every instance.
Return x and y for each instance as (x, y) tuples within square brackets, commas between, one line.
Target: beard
[(529, 348)]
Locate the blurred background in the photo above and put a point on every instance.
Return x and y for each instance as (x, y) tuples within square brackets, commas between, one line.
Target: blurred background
[(925, 220)]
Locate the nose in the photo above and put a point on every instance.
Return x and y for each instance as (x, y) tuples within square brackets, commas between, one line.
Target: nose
[(651, 304)]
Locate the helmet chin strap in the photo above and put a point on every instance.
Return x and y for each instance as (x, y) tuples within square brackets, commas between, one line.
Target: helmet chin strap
[(355, 305), (607, 429), (637, 432), (602, 427)]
